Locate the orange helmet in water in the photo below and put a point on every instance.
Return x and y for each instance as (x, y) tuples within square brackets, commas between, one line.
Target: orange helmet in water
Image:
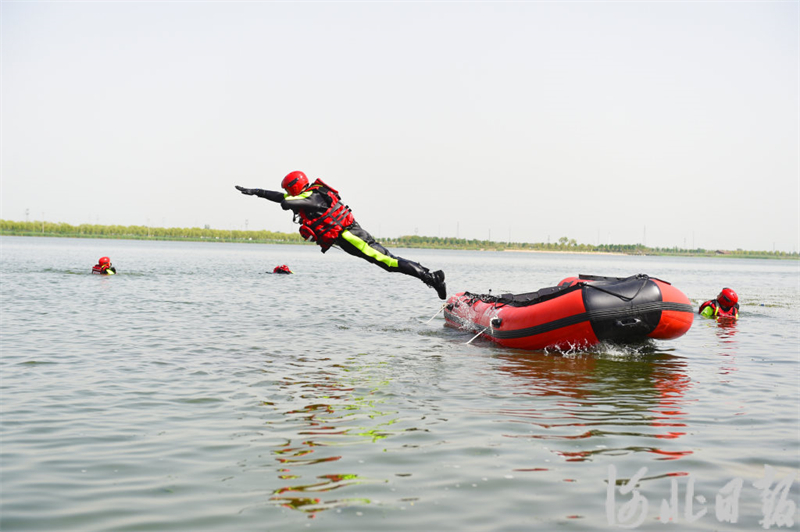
[(104, 261), (727, 298), (294, 183)]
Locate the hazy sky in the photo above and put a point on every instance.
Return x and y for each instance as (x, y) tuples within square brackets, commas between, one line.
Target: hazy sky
[(667, 123)]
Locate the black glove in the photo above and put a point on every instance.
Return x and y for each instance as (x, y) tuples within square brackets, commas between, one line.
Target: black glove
[(247, 191)]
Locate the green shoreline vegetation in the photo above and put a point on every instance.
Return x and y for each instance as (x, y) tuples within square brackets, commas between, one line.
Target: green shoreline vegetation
[(206, 234)]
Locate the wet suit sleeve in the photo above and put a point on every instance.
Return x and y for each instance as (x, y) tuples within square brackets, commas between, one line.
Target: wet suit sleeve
[(312, 202), (271, 195), (707, 309)]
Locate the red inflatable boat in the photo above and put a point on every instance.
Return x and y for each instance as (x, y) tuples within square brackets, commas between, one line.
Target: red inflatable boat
[(578, 313)]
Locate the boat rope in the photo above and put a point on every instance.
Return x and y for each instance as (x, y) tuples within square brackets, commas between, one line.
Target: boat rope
[(437, 312), (546, 294), (485, 298), (480, 333)]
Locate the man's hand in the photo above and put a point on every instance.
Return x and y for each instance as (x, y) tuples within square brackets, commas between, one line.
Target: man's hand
[(247, 191)]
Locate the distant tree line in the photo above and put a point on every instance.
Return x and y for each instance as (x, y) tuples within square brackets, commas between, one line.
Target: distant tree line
[(141, 232), (565, 244), (137, 232)]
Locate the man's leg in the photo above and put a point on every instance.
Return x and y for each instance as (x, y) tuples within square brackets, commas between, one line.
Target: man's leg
[(358, 242)]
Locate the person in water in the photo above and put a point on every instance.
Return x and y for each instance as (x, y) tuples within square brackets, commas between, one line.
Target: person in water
[(104, 267), (324, 219), (726, 305), (282, 269)]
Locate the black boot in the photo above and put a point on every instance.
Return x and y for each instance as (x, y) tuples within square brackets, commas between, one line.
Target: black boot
[(436, 281)]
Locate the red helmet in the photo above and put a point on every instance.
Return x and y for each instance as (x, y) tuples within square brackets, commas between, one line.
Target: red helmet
[(294, 183), (104, 261), (727, 298)]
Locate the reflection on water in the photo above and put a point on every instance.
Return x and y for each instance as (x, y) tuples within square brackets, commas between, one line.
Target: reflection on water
[(728, 345), (331, 406), (600, 405)]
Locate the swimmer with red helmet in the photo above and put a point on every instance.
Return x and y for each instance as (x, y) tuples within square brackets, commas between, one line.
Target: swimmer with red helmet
[(324, 219), (104, 267), (726, 305), (284, 269)]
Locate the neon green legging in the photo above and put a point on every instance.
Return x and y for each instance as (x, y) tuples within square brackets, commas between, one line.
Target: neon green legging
[(359, 243)]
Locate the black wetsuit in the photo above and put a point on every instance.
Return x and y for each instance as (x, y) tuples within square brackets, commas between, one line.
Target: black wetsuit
[(355, 240)]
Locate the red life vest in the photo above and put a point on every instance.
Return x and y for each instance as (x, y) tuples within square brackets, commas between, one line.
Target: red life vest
[(326, 228), (719, 311), (104, 269), (732, 312), (101, 269)]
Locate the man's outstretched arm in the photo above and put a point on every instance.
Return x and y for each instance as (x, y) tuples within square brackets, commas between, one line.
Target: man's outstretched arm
[(271, 195)]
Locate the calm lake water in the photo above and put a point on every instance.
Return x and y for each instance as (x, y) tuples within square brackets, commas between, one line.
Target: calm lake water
[(194, 392)]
